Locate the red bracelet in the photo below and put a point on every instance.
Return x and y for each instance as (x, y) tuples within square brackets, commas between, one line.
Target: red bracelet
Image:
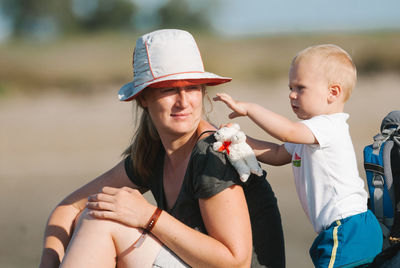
[(152, 221)]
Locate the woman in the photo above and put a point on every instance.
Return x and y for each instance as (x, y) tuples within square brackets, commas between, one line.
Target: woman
[(202, 218)]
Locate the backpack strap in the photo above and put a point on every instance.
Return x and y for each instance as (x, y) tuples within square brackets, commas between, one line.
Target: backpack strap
[(378, 173), (396, 139), (387, 150), (386, 234), (380, 138), (391, 137), (381, 177), (378, 183)]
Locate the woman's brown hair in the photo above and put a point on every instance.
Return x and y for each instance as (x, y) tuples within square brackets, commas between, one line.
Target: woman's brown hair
[(146, 143)]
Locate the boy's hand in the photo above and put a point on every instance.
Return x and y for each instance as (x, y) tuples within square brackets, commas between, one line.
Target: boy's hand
[(239, 108)]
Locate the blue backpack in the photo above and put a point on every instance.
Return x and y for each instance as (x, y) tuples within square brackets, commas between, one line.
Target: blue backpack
[(382, 168)]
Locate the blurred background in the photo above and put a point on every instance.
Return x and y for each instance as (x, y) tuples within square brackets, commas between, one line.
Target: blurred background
[(62, 63)]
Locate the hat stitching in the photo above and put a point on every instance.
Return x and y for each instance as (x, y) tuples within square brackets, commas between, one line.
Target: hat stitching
[(148, 58), (133, 58)]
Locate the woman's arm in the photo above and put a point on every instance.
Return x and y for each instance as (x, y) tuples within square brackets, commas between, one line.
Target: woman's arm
[(225, 215), (60, 224), (228, 243)]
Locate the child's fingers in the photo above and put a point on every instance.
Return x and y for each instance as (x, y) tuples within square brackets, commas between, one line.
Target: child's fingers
[(227, 100), (237, 108), (218, 98), (223, 97), (234, 115)]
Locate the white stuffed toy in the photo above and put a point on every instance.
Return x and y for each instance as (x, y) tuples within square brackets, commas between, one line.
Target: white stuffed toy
[(240, 154)]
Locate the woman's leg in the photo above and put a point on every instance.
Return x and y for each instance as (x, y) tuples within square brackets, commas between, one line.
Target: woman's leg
[(97, 243)]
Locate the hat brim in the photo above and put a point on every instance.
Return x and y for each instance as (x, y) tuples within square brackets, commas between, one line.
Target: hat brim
[(129, 91)]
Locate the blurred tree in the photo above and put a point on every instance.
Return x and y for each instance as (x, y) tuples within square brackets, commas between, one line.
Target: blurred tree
[(180, 14), (24, 14), (47, 18), (36, 16), (94, 15)]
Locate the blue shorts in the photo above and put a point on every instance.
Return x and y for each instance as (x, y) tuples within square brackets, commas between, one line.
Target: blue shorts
[(349, 240)]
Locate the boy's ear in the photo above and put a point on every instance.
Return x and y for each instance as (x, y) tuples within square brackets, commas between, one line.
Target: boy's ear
[(335, 91)]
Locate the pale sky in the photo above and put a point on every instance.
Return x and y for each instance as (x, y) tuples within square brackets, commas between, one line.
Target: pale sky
[(243, 17), (270, 16), (253, 17)]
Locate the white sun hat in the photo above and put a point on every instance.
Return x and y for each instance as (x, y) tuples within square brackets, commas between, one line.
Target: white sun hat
[(167, 58)]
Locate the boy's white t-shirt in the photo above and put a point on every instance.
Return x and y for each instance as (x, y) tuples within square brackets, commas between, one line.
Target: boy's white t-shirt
[(326, 175)]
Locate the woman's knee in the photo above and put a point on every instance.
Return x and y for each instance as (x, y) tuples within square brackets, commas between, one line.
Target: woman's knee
[(124, 237), (104, 226), (91, 237)]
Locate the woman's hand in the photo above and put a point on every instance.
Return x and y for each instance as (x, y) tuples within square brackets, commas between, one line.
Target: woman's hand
[(124, 205), (239, 108)]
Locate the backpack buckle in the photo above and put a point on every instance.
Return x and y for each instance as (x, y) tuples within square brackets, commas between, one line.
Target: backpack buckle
[(378, 181)]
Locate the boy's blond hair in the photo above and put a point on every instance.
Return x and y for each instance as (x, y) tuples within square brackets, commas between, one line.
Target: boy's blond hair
[(336, 64)]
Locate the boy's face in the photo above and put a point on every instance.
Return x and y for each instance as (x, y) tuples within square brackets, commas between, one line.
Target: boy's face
[(309, 89)]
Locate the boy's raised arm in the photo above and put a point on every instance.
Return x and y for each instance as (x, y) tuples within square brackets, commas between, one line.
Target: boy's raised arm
[(274, 124), (268, 152)]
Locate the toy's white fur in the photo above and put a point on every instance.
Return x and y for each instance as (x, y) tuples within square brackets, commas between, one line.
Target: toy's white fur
[(240, 153)]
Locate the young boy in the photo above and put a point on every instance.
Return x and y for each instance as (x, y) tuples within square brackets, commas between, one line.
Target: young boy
[(321, 79)]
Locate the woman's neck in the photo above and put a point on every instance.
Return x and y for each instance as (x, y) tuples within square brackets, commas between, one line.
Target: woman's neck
[(178, 149)]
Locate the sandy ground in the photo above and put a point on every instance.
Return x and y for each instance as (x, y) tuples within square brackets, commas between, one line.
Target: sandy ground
[(51, 144)]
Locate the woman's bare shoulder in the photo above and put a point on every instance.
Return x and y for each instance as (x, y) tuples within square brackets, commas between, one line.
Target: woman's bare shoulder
[(205, 129)]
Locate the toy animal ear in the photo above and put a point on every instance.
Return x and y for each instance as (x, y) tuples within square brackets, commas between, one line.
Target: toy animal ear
[(235, 138)]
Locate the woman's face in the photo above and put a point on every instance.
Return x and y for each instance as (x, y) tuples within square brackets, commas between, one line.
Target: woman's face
[(174, 110)]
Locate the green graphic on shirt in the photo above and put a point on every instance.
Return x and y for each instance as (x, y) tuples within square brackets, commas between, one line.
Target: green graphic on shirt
[(296, 161)]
